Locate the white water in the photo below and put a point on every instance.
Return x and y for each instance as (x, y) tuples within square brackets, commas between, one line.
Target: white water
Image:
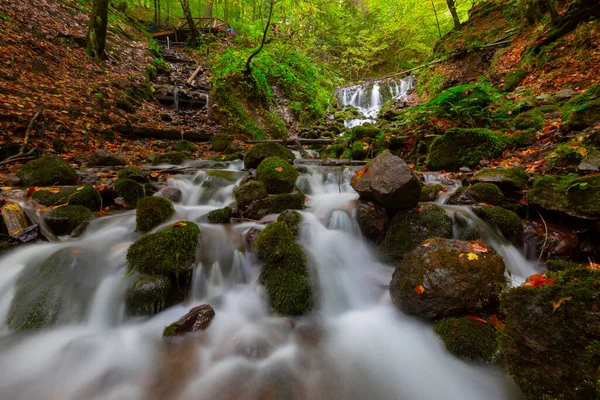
[(368, 99), (357, 346)]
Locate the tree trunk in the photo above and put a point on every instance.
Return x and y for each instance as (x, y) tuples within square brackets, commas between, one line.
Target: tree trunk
[(248, 71), (436, 19), (554, 17), (96, 35), (195, 35), (208, 9), (452, 8)]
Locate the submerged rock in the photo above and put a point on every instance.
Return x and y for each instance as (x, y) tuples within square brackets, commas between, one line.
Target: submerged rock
[(149, 295), (47, 171), (260, 151), (444, 277), (274, 205), (151, 212), (372, 219), (277, 175), (220, 216), (197, 319), (570, 194), (388, 181), (409, 228), (468, 338)]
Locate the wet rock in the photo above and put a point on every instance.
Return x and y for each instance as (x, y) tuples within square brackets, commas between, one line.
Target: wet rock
[(572, 195), (175, 158), (388, 181), (197, 319), (251, 236), (149, 295), (444, 277), (220, 216), (220, 142), (507, 222), (430, 193), (248, 193), (102, 158), (274, 205), (151, 212), (130, 191), (469, 339), (478, 193), (560, 240), (292, 219), (409, 228), (277, 175), (133, 173), (172, 193), (64, 220), (508, 179), (86, 196), (591, 162), (372, 219), (47, 171), (260, 151)]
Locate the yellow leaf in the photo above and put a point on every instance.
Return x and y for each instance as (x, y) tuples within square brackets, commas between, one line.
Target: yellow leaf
[(472, 256), (557, 304), (582, 151), (12, 207)]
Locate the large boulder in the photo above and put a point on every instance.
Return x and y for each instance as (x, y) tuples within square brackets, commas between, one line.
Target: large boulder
[(508, 179), (277, 175), (444, 277), (64, 220), (197, 319), (551, 339), (389, 181), (275, 205), (248, 193), (409, 228), (572, 195), (507, 222), (150, 294), (152, 211), (260, 151), (85, 196), (478, 193), (373, 220), (47, 171)]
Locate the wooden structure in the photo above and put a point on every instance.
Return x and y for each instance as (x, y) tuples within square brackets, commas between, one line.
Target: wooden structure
[(180, 32)]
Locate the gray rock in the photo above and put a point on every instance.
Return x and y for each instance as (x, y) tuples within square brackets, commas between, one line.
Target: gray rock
[(591, 162), (373, 220), (102, 158), (172, 193)]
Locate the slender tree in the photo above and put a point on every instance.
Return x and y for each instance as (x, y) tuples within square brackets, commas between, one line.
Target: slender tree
[(248, 70), (452, 8), (195, 35), (436, 19), (96, 34)]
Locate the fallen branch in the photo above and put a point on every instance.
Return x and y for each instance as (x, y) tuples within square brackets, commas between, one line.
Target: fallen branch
[(19, 157), (194, 75), (28, 131), (545, 236)]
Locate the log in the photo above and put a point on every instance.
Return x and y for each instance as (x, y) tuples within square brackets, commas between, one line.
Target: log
[(302, 150), (14, 219), (331, 162), (192, 136), (194, 75), (291, 142)]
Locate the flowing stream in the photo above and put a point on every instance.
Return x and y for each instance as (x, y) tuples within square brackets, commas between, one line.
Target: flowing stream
[(356, 346)]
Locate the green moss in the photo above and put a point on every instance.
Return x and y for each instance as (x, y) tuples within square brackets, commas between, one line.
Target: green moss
[(220, 142), (584, 116), (487, 193), (130, 190), (364, 131), (524, 138), (574, 113), (176, 158), (509, 223), (64, 220), (551, 336), (185, 145), (275, 205), (47, 171), (292, 219), (220, 216), (469, 339), (506, 178), (83, 196), (152, 211), (149, 295), (409, 228), (249, 193), (512, 79), (430, 193), (277, 175), (465, 148), (125, 104), (260, 151), (359, 151), (560, 265), (533, 119), (570, 194), (169, 252), (333, 151)]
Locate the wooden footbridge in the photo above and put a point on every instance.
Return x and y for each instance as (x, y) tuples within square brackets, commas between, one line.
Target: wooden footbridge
[(207, 25)]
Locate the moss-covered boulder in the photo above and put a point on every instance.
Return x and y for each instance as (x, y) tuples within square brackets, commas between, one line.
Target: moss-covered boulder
[(551, 340), (85, 196), (469, 338), (152, 211), (185, 145), (175, 158), (277, 175), (508, 179), (54, 290), (512, 79), (583, 110), (150, 294), (103, 158), (444, 277), (275, 205), (248, 193), (430, 193), (465, 148), (533, 119), (260, 151), (359, 151), (562, 265), (373, 220), (570, 194), (507, 222), (292, 219), (220, 216), (409, 228), (130, 190), (64, 220), (169, 252), (133, 173), (361, 132), (478, 193), (47, 171), (220, 142), (285, 273), (197, 319)]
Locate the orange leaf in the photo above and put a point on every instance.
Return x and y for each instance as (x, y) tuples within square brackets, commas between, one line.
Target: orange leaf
[(419, 289), (30, 190), (494, 320), (538, 280), (180, 224), (476, 318), (428, 242), (557, 304), (154, 174), (593, 265), (279, 169), (478, 247)]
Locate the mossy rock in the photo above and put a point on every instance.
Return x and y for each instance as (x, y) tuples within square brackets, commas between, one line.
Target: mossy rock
[(333, 151), (149, 294), (551, 338), (364, 131), (409, 228), (169, 252), (507, 222), (512, 79), (583, 110), (248, 193), (152, 211), (277, 175), (533, 119), (47, 171), (130, 190), (62, 282), (285, 273), (175, 158), (430, 193), (132, 173), (85, 196), (275, 205), (292, 219), (570, 194), (469, 339), (465, 148), (64, 220), (220, 142), (561, 265), (524, 138), (260, 151), (359, 151), (185, 145), (480, 192), (220, 216), (508, 179)]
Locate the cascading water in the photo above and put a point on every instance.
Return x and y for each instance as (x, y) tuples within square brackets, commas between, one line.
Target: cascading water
[(368, 99), (356, 346)]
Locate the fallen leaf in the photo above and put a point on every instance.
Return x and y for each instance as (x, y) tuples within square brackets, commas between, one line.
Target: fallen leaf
[(538, 280), (557, 304), (279, 169), (428, 242), (494, 320), (30, 190), (476, 318), (478, 247), (419, 289), (180, 224), (593, 265)]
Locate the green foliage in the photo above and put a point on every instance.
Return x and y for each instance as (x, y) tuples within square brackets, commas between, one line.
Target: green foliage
[(467, 338), (152, 211)]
